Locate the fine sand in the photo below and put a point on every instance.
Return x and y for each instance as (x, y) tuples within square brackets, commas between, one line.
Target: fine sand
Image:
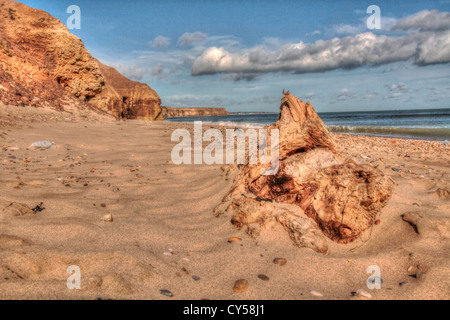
[(164, 232)]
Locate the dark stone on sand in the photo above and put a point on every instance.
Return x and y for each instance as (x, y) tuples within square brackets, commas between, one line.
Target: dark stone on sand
[(263, 277), (166, 293)]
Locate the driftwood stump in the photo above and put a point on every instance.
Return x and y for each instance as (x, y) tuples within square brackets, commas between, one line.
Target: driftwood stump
[(315, 193)]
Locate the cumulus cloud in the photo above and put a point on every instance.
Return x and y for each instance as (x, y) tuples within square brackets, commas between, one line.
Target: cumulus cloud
[(189, 38), (425, 20), (434, 49), (430, 45), (345, 53), (160, 42)]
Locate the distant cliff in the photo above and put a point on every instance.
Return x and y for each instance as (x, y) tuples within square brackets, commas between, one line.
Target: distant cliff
[(42, 64), (126, 98), (168, 112)]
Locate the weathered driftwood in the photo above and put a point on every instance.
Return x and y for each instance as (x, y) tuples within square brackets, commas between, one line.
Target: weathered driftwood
[(314, 188)]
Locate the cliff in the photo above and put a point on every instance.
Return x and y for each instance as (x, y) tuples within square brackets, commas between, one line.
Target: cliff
[(168, 112), (126, 98), (42, 64)]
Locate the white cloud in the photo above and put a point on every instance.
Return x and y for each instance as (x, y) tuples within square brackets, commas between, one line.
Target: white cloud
[(425, 20), (189, 38), (422, 48), (346, 29), (387, 23), (160, 42), (345, 53), (434, 49)]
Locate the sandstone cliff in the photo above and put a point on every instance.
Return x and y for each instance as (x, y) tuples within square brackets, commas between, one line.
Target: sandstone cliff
[(126, 98), (168, 112), (42, 64)]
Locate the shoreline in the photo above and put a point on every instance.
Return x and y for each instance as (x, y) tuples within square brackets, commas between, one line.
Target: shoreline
[(252, 126), (366, 131)]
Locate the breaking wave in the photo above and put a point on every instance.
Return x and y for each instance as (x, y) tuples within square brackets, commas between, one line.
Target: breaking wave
[(430, 133)]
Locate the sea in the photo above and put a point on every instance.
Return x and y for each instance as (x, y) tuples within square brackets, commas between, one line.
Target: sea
[(430, 124)]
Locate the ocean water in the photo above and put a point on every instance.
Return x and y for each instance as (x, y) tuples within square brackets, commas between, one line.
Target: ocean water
[(431, 124)]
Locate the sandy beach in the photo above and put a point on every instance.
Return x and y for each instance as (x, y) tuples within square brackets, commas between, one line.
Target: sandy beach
[(164, 234)]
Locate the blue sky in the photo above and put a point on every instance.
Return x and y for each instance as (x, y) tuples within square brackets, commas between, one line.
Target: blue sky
[(242, 54)]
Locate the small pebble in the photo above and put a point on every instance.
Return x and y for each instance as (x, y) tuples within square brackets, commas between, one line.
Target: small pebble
[(377, 222), (363, 293), (166, 293), (280, 261), (403, 283), (240, 285), (316, 293), (232, 239), (263, 277), (410, 268), (107, 218), (103, 205), (395, 169), (196, 278)]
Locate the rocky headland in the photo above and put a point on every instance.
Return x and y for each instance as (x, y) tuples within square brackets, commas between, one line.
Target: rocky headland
[(169, 112), (43, 65)]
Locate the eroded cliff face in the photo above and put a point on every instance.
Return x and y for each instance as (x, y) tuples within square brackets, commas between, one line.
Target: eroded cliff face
[(42, 64), (168, 112), (126, 98)]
